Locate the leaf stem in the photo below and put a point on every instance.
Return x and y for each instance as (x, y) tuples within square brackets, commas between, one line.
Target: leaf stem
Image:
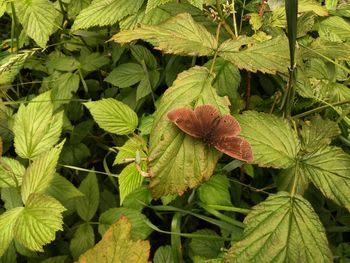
[(216, 52), (234, 18), (319, 109), (223, 21)]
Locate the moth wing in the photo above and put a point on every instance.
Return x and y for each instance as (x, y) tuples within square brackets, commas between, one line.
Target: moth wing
[(227, 126), (235, 147), (187, 121)]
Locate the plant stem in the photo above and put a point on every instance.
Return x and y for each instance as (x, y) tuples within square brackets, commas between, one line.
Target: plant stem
[(223, 21), (247, 91), (234, 18), (319, 109)]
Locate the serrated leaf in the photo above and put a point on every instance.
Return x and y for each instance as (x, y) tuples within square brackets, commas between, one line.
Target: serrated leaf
[(163, 255), (38, 19), (313, 6), (227, 80), (36, 128), (283, 228), (74, 7), (105, 12), (328, 168), (178, 35), (154, 3), (117, 247), (92, 61), (125, 75), (10, 66), (215, 191), (153, 17), (334, 28), (147, 84), (39, 221), (274, 142), (113, 116), (60, 62), (129, 149), (143, 54), (138, 198), (140, 230), (87, 205), (7, 223), (209, 249), (11, 196), (83, 239), (270, 56), (292, 179), (62, 189), (177, 161), (64, 87), (129, 180), (40, 173), (3, 5), (318, 133), (11, 172)]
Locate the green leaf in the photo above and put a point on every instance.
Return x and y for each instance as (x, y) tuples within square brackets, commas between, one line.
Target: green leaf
[(292, 179), (117, 246), (227, 80), (11, 196), (274, 142), (140, 230), (163, 255), (215, 191), (83, 239), (105, 12), (92, 61), (205, 248), (113, 116), (58, 61), (38, 18), (80, 131), (3, 6), (36, 128), (64, 87), (178, 35), (62, 189), (178, 161), (147, 84), (87, 205), (11, 172), (125, 75), (38, 222), (40, 173), (142, 54), (10, 66), (57, 259), (283, 228), (8, 220), (317, 133), (328, 168), (270, 56), (154, 3), (138, 198), (332, 50), (74, 7), (146, 123), (129, 180), (334, 28), (129, 149)]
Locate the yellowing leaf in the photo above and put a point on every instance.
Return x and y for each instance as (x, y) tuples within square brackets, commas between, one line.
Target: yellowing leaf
[(269, 56), (178, 35), (113, 116), (117, 247), (178, 161), (273, 141), (283, 228)]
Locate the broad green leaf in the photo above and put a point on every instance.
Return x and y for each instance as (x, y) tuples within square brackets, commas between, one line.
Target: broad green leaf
[(113, 116), (138, 199), (283, 228), (274, 142), (87, 205), (292, 179), (147, 84), (215, 191), (163, 255), (38, 18), (154, 3), (3, 5), (83, 239), (129, 180), (10, 256), (227, 80), (334, 28), (8, 220), (127, 152), (59, 61), (39, 174), (328, 168), (105, 12), (196, 3), (140, 230), (116, 246), (145, 125), (64, 87), (36, 128), (141, 53), (92, 61), (10, 66), (38, 222), (62, 189), (125, 75), (11, 196), (270, 56), (317, 133), (332, 50), (153, 17), (74, 7), (205, 248), (177, 161), (312, 6), (178, 35), (80, 131), (57, 259), (11, 172)]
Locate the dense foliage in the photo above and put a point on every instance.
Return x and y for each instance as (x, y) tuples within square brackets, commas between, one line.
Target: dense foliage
[(92, 170)]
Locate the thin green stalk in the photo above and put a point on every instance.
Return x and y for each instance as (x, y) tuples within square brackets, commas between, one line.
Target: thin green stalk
[(234, 18), (176, 246), (223, 21), (242, 14), (319, 109), (230, 209), (13, 28)]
